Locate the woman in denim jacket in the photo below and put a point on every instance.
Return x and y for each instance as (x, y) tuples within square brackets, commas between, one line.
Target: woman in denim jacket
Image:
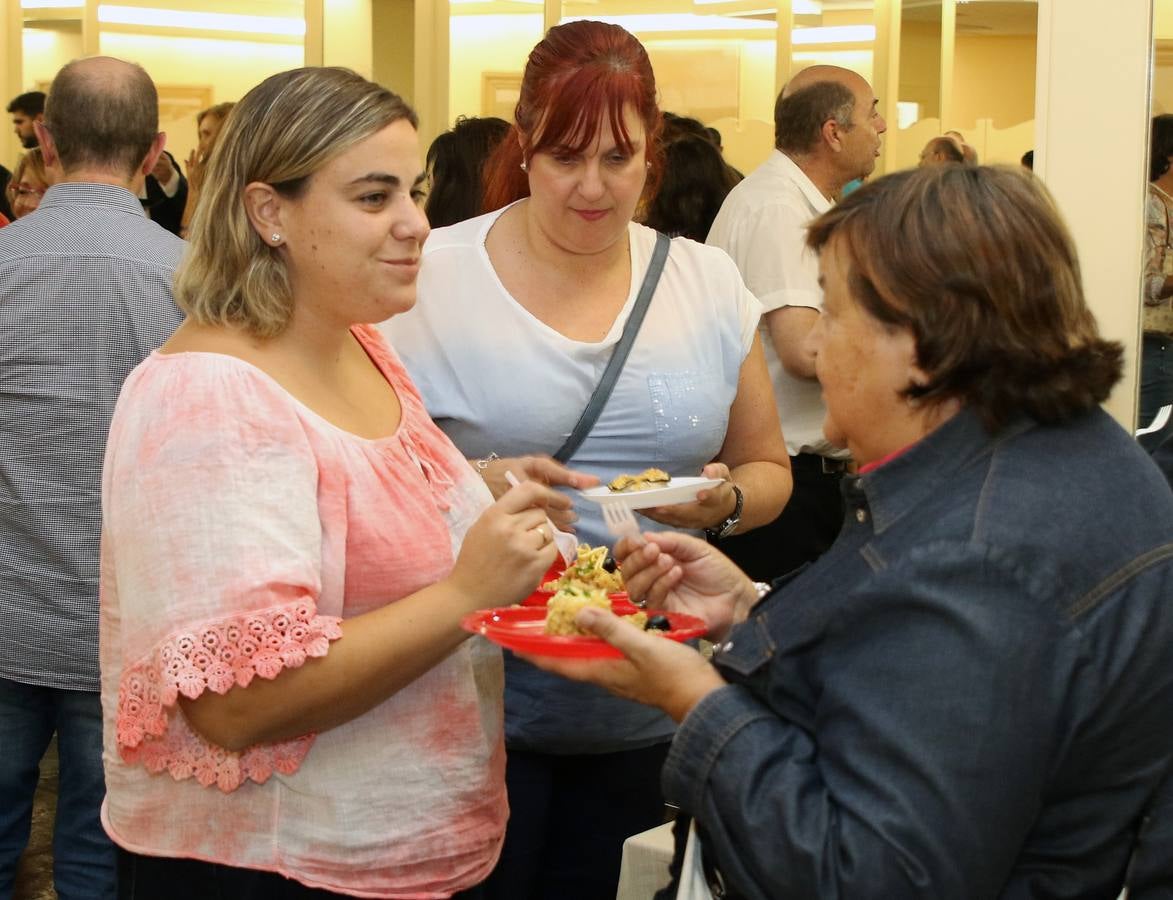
[(971, 694)]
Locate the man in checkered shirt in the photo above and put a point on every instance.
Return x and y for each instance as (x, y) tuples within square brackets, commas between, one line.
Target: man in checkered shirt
[(85, 294)]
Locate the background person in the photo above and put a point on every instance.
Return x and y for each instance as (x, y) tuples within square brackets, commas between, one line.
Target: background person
[(209, 122), (968, 153), (5, 181), (455, 162), (85, 294), (29, 183), (941, 150), (27, 110), (519, 312), (968, 695), (827, 131), (164, 194), (289, 544), (696, 182)]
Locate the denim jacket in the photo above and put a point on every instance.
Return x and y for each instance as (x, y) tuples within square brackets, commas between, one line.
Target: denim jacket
[(969, 696)]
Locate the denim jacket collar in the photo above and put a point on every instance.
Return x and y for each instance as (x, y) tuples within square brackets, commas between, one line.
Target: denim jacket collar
[(903, 483)]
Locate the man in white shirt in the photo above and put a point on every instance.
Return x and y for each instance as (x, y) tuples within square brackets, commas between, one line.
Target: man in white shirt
[(827, 129)]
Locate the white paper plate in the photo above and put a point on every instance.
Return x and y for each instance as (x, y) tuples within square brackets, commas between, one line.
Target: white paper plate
[(680, 490)]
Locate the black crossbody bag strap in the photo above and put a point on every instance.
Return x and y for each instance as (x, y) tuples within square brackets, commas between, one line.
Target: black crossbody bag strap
[(619, 355)]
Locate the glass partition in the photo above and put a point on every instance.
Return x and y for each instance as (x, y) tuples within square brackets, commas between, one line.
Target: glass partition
[(993, 78), (835, 33), (199, 52), (920, 62), (489, 44), (714, 61)]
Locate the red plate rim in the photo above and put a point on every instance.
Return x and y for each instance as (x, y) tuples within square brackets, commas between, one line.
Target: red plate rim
[(500, 625)]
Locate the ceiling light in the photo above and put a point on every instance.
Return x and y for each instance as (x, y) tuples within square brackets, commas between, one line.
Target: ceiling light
[(202, 21), (834, 34), (678, 22), (798, 7)]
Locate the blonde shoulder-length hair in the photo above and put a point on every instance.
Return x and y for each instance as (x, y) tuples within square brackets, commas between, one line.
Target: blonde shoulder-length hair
[(283, 131)]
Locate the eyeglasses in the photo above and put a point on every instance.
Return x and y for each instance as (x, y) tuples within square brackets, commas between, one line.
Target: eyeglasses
[(23, 190)]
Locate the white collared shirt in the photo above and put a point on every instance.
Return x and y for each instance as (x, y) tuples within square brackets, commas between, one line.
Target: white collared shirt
[(762, 225)]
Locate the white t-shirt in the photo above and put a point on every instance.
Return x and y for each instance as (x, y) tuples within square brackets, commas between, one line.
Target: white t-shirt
[(762, 225), (497, 379)]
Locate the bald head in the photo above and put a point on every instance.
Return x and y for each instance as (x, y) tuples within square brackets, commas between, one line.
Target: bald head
[(811, 98), (939, 151), (102, 114), (853, 81)]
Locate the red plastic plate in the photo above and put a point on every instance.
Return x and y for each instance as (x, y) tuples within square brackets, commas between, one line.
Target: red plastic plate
[(521, 628)]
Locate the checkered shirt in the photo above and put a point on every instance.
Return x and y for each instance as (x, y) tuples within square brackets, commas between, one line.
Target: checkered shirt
[(85, 295)]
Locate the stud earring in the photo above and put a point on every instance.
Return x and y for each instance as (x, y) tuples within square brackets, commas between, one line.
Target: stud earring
[(275, 238), (524, 167)]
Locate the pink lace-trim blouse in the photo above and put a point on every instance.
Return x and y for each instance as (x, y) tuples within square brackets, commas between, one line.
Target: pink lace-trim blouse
[(239, 528)]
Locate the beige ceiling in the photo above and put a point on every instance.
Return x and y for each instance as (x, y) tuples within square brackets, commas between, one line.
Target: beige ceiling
[(989, 17)]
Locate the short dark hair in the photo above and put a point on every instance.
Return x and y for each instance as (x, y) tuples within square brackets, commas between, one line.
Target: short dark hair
[(799, 117), (456, 162), (975, 262), (32, 104), (677, 126), (1161, 146), (696, 182), (105, 121)]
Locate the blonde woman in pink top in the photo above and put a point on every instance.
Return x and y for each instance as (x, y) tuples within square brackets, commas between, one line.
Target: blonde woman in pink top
[(291, 708)]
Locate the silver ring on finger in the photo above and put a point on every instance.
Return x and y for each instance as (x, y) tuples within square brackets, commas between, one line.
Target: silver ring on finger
[(541, 529)]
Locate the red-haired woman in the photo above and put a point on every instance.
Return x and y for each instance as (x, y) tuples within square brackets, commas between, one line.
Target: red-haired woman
[(520, 310)]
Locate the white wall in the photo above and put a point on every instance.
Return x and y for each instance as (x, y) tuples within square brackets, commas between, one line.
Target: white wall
[(1090, 61)]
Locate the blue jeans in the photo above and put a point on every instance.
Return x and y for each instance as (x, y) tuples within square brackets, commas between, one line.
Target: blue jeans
[(1156, 386), (83, 857)]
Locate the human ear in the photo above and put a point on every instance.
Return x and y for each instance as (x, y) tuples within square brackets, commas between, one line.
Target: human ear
[(154, 153), (263, 206), (45, 140), (831, 135)]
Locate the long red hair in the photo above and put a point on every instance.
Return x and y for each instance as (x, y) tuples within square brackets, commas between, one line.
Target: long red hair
[(577, 74)]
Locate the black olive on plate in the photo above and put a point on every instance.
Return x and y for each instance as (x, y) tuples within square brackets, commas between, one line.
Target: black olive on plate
[(658, 623), (609, 564)]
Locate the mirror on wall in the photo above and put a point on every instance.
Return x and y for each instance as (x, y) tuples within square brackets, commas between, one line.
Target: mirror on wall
[(969, 68), (919, 95), (1156, 351)]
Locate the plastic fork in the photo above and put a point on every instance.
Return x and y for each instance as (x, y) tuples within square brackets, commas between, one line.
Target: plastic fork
[(620, 521), (566, 542)]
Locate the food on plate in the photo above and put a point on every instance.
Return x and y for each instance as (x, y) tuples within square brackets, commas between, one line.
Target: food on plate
[(645, 480), (658, 622), (594, 567), (570, 598)]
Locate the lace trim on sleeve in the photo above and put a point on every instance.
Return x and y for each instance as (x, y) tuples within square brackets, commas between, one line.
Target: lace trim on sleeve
[(216, 656)]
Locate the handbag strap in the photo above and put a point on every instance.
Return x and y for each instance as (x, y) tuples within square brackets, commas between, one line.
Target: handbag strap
[(619, 355)]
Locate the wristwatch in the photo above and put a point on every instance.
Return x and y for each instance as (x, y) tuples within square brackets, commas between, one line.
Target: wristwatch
[(726, 527)]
